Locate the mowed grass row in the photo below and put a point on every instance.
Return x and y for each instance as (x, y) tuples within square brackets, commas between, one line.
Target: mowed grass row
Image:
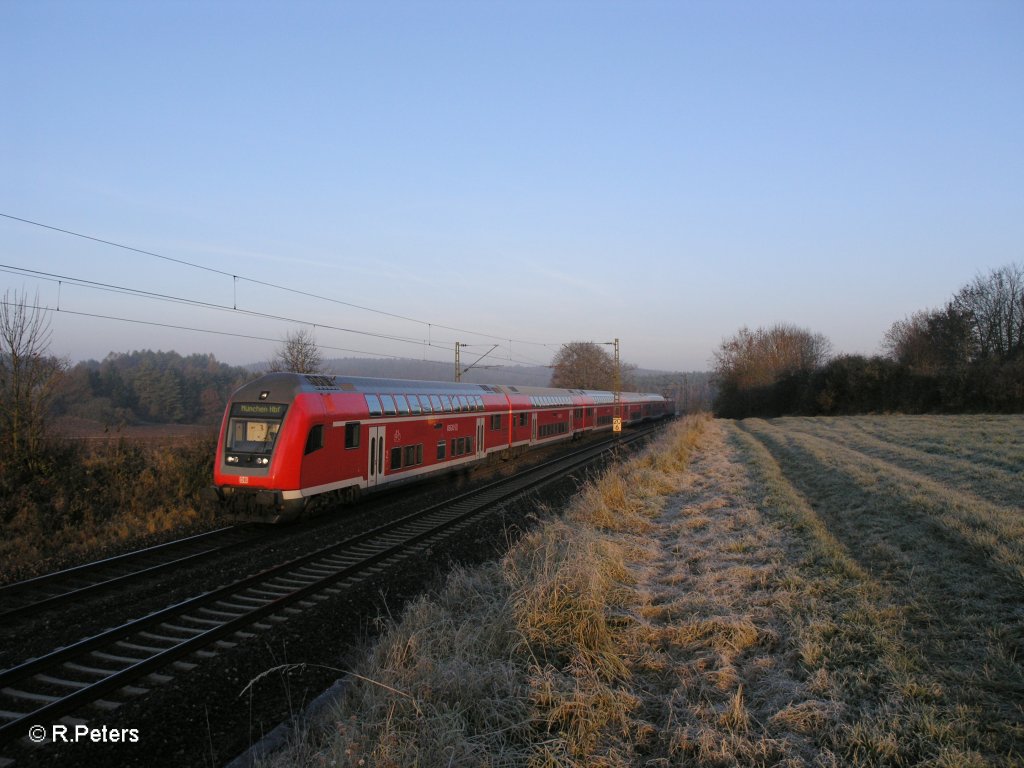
[(741, 594), (984, 440), (986, 461), (947, 566)]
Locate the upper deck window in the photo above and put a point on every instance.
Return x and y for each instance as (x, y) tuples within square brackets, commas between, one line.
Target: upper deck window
[(373, 404)]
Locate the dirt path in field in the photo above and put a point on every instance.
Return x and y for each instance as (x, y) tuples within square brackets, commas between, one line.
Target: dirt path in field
[(721, 596)]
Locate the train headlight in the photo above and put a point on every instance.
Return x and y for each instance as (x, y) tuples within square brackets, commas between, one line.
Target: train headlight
[(264, 461), (232, 459)]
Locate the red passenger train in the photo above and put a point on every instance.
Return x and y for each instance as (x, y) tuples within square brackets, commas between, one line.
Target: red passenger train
[(290, 442)]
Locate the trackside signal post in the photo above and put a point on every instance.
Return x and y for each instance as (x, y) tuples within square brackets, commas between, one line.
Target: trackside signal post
[(617, 401)]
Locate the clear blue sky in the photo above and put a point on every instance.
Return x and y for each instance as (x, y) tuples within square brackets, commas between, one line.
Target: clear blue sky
[(663, 172)]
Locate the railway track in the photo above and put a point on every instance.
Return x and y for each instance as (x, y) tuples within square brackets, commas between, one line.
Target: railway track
[(112, 667), (25, 598)]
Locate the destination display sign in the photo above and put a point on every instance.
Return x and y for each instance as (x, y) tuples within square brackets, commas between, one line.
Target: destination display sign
[(259, 410)]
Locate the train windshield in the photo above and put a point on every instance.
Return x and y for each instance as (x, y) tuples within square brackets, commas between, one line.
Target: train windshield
[(254, 427)]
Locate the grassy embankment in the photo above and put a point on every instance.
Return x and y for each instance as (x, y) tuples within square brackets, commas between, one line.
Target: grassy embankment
[(84, 500), (794, 592)]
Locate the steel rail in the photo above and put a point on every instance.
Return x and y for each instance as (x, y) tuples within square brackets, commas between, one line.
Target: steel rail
[(55, 578), (377, 545)]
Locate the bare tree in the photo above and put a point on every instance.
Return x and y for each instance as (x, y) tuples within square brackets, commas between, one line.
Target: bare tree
[(583, 365), (298, 353), (29, 376), (993, 306), (931, 341), (762, 357)]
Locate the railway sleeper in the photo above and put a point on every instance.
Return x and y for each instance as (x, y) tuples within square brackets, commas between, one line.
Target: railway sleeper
[(94, 671), (129, 660), (144, 648), (165, 632), (39, 698), (60, 682)]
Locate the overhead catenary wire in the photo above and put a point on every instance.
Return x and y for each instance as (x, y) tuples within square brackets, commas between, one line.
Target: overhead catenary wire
[(230, 334), (62, 280), (235, 278)]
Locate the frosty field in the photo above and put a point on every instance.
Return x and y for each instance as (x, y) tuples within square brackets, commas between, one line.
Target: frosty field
[(795, 592)]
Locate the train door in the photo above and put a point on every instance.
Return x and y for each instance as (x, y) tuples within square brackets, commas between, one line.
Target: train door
[(375, 470), (481, 449), (533, 429)]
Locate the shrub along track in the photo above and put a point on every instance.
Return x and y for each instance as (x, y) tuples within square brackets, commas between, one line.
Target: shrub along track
[(151, 647)]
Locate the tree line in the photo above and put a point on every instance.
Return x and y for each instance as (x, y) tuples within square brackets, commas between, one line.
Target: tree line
[(967, 355), (147, 386)]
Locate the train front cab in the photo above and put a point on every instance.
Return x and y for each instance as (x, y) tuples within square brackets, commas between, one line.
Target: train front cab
[(263, 427)]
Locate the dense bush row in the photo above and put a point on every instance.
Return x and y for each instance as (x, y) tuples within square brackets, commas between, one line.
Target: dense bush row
[(966, 356), (852, 384)]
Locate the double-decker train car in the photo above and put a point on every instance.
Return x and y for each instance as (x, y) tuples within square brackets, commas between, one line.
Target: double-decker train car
[(292, 442)]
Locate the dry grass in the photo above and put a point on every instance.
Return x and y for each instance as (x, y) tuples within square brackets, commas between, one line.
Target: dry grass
[(790, 593), (88, 501)]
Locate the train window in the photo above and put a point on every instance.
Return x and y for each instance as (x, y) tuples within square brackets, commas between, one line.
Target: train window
[(456, 405), (409, 455), (396, 458), (446, 404), (253, 435), (578, 413), (414, 405), (496, 421), (469, 445), (435, 401), (389, 405), (522, 419), (440, 450), (403, 405), (466, 405), (315, 438), (373, 403), (352, 434)]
